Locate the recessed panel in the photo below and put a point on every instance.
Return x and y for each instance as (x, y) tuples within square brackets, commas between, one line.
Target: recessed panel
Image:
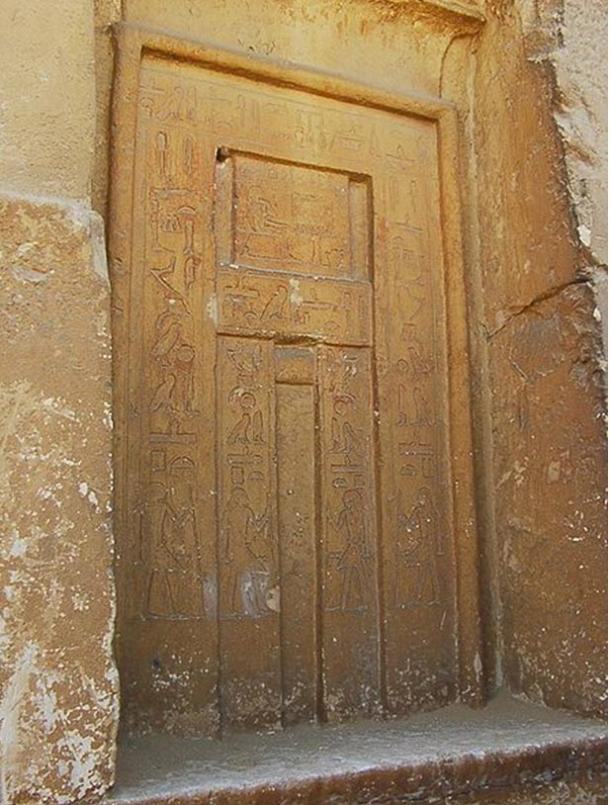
[(296, 218)]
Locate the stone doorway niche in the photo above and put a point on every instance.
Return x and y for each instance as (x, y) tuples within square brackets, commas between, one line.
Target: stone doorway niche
[(292, 397), (295, 489)]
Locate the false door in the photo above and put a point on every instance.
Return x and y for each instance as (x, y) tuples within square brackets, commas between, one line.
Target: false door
[(286, 539)]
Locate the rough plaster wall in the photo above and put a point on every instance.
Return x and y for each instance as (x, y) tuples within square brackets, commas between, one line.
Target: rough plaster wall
[(540, 321), (58, 683), (572, 40), (58, 680), (47, 74)]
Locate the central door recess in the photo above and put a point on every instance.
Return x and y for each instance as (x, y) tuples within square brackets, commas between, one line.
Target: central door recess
[(286, 548)]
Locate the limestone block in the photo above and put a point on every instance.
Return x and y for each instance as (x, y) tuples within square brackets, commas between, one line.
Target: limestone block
[(58, 683)]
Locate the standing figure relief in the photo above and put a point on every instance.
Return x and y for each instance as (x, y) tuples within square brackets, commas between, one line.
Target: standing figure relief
[(354, 558), (418, 544), (175, 582), (248, 550)]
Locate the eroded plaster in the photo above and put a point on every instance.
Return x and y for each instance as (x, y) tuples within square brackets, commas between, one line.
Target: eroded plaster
[(58, 682)]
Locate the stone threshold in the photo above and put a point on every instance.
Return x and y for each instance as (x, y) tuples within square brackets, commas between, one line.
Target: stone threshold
[(428, 757)]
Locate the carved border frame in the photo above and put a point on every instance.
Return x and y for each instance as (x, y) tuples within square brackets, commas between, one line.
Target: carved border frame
[(132, 43)]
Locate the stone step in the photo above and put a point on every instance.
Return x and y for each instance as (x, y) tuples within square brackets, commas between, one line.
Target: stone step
[(511, 751)]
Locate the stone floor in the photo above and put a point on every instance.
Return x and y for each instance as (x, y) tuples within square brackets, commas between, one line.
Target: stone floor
[(509, 752)]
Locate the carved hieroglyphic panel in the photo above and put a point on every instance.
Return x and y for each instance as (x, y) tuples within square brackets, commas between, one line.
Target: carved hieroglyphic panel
[(418, 555), (295, 218), (288, 306), (167, 586), (248, 555), (348, 521), (290, 546), (291, 218)]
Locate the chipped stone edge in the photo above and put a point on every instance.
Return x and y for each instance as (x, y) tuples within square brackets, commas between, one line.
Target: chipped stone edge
[(595, 271)]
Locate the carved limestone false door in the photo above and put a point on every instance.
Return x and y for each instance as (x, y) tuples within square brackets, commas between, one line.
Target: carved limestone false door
[(288, 547)]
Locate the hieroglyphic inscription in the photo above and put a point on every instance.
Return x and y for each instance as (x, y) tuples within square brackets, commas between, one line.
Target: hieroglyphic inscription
[(348, 517), (291, 406), (170, 523), (293, 218), (290, 217), (248, 574), (418, 528), (291, 123), (166, 629), (274, 304), (417, 560)]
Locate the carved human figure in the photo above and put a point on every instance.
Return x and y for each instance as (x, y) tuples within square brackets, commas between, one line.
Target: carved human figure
[(413, 406), (175, 587), (418, 542), (246, 549), (354, 559), (417, 364), (261, 213)]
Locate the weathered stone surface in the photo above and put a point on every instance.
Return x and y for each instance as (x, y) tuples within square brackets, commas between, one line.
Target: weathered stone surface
[(47, 98), (527, 86), (549, 427), (58, 683), (573, 45), (506, 752), (544, 391)]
